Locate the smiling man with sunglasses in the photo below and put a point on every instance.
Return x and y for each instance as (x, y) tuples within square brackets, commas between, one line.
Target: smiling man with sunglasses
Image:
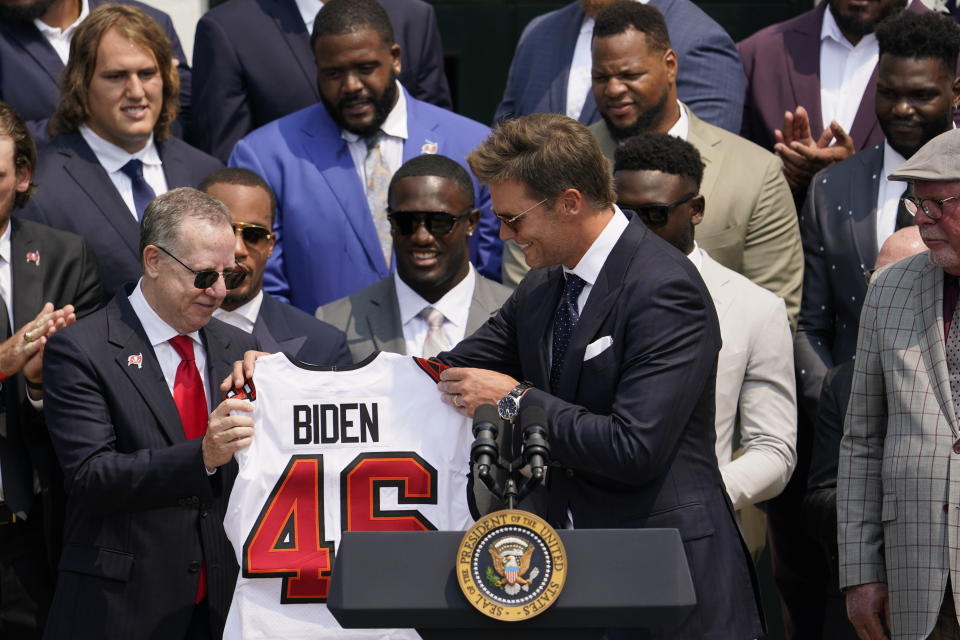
[(436, 297), (277, 325)]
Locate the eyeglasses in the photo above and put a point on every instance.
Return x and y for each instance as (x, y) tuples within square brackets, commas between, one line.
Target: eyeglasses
[(253, 234), (656, 215), (437, 223), (913, 204), (511, 221), (204, 279)]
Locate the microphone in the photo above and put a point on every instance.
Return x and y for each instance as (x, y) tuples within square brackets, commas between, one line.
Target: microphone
[(536, 449), (486, 427)]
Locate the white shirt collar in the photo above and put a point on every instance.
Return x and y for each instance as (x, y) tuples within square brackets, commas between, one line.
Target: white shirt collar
[(308, 11), (5, 247), (454, 305), (681, 127), (891, 159), (246, 313), (56, 32), (696, 256), (396, 123), (157, 330), (593, 260), (112, 157), (830, 29)]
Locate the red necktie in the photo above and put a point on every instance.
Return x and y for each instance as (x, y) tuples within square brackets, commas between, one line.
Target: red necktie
[(191, 404)]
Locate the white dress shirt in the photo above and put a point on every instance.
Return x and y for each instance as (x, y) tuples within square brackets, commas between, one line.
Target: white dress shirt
[(159, 333), (596, 256), (112, 158), (888, 195), (394, 130), (845, 72), (681, 128), (579, 80), (59, 38), (454, 305), (244, 316), (308, 12)]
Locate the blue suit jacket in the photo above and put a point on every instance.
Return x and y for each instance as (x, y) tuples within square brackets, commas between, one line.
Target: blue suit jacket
[(75, 193), (327, 246), (633, 425), (710, 79), (253, 64), (30, 69), (282, 327)]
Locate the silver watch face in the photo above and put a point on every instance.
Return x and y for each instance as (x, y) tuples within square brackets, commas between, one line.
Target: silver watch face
[(507, 407)]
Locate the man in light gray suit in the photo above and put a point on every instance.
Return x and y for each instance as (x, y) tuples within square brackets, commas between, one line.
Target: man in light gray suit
[(435, 298), (658, 176), (898, 495)]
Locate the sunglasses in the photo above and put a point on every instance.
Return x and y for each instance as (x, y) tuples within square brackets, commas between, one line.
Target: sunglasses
[(252, 234), (204, 279), (511, 221), (931, 206), (656, 215), (437, 223)]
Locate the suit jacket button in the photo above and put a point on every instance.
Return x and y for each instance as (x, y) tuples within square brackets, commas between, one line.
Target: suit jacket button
[(569, 473), (203, 514), (194, 500), (194, 566)]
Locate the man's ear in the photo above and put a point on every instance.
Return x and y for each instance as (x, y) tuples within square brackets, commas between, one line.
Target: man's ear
[(151, 261), (24, 175), (697, 205)]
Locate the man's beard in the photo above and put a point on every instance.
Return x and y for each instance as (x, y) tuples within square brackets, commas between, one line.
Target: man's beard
[(930, 129), (644, 121), (381, 109), (860, 27), (593, 7), (24, 13)]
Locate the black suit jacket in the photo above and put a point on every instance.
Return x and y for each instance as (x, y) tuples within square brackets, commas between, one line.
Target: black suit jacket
[(838, 226), (141, 509), (64, 272), (283, 327), (75, 193), (30, 69), (253, 64), (633, 426)]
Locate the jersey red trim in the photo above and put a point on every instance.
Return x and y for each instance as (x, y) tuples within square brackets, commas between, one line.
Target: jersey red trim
[(432, 368)]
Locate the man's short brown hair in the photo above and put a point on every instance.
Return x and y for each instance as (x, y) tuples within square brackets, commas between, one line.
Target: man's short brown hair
[(132, 23), (548, 154), (24, 149)]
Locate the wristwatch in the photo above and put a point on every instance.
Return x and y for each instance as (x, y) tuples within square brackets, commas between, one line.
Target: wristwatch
[(509, 405)]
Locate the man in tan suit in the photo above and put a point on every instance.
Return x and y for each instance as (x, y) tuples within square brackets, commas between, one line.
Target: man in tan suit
[(658, 176), (750, 224), (898, 484)]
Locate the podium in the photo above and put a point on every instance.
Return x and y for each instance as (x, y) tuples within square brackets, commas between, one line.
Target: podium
[(632, 578)]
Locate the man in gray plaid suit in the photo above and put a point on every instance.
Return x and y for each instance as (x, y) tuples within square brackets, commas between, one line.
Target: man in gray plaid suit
[(898, 490)]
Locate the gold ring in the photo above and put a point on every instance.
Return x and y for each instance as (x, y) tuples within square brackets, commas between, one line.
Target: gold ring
[(456, 402), (27, 336)]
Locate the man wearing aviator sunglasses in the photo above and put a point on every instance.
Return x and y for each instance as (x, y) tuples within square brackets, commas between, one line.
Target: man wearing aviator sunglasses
[(277, 325), (435, 297)]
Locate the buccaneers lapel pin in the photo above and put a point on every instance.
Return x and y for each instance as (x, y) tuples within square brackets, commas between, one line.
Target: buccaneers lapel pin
[(34, 257), (135, 360), (429, 147)]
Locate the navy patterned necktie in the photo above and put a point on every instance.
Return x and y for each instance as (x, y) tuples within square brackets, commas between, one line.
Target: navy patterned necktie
[(564, 320), (142, 192)]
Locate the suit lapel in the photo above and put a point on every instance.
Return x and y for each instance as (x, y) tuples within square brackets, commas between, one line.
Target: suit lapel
[(422, 135), (382, 316), (865, 122), (708, 144), (482, 306), (137, 360), (928, 324), (865, 188), (290, 25), (175, 170), (336, 166), (717, 281), (219, 364), (561, 58), (33, 42), (534, 344), (273, 331), (802, 66), (27, 275), (84, 168)]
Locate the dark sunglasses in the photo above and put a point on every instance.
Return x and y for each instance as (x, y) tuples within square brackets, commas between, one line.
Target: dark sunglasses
[(204, 279), (252, 234), (656, 215), (437, 223)]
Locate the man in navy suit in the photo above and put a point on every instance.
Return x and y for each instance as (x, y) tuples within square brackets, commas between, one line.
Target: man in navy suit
[(35, 46), (128, 394), (330, 164), (277, 325), (253, 63), (628, 384), (550, 72), (112, 151)]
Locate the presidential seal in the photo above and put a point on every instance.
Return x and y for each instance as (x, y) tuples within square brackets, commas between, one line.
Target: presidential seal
[(511, 565)]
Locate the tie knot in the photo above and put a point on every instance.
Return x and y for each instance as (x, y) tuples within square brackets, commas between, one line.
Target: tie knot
[(373, 141), (573, 285), (133, 169), (433, 317), (184, 347)]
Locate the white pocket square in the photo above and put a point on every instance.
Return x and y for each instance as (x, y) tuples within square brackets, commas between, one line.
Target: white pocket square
[(597, 347)]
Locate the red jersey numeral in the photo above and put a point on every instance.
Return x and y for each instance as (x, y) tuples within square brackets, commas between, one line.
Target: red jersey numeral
[(362, 480)]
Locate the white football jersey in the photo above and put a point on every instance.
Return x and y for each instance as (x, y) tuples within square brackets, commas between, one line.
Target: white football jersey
[(369, 448)]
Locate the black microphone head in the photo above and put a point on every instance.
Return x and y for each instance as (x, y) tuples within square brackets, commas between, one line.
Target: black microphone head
[(533, 416), (487, 414)]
